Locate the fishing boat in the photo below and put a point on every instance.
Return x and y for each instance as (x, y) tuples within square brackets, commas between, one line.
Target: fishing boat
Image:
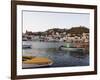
[(34, 62), (70, 47)]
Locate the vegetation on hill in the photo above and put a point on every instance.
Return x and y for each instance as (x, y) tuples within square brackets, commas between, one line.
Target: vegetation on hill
[(73, 30), (78, 30)]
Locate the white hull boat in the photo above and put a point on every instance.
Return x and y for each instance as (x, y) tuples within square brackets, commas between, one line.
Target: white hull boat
[(71, 49)]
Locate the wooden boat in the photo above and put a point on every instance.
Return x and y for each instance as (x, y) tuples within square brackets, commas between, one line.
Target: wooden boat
[(32, 62)]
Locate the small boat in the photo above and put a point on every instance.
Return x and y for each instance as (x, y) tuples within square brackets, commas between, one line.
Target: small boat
[(70, 48), (34, 62), (27, 46)]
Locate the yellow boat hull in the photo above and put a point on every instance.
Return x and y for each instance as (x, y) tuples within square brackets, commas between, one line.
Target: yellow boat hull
[(37, 62)]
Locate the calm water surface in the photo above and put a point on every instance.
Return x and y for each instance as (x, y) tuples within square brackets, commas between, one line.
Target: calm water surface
[(60, 58)]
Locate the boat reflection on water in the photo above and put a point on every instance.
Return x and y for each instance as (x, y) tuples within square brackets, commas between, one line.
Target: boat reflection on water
[(78, 54)]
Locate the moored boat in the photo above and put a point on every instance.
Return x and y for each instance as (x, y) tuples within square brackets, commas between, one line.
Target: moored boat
[(71, 49), (32, 62), (27, 46)]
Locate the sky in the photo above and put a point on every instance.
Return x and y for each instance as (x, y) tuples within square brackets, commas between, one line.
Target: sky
[(36, 21)]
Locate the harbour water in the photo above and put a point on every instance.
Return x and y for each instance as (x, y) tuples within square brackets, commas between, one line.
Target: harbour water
[(60, 58)]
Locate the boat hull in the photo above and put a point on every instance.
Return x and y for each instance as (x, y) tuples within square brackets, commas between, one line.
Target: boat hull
[(27, 46), (32, 62), (71, 49), (36, 65)]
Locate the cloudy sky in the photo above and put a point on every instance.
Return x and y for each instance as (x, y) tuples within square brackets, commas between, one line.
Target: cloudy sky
[(41, 21)]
